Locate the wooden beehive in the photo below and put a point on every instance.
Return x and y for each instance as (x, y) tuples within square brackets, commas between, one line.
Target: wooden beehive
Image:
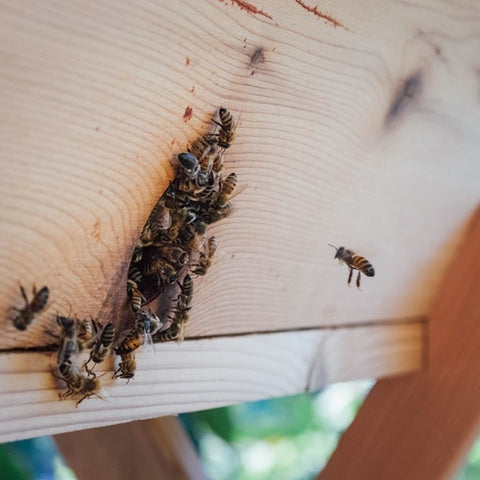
[(358, 127)]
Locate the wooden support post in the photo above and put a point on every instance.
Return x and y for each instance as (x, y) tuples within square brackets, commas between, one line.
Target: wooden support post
[(422, 425), (146, 449)]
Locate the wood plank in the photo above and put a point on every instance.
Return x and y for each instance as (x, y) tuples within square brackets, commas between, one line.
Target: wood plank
[(201, 374), (357, 136), (147, 449), (422, 425)]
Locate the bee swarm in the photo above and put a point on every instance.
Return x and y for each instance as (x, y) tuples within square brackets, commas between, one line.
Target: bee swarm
[(173, 247), (173, 244)]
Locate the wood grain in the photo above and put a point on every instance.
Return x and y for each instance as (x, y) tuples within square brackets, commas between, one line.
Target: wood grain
[(423, 425), (157, 449), (201, 374), (357, 136)]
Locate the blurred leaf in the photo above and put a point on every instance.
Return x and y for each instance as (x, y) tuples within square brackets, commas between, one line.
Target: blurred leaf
[(11, 466)]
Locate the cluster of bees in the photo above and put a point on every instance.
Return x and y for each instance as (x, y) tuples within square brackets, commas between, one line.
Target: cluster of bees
[(72, 337), (173, 248)]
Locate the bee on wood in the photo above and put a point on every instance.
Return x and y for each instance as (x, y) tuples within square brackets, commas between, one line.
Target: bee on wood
[(102, 344), (151, 323), (354, 262), (135, 297), (135, 275), (180, 312), (85, 334), (77, 384), (227, 128), (161, 269), (218, 142), (126, 367), (226, 189), (68, 338), (160, 218), (24, 316), (132, 342), (205, 257), (173, 333)]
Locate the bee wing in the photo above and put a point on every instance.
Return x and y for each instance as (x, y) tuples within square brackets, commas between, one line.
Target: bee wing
[(148, 342), (165, 221)]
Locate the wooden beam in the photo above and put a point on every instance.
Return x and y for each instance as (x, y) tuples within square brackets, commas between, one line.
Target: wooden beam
[(347, 133), (422, 425), (201, 374), (147, 449)]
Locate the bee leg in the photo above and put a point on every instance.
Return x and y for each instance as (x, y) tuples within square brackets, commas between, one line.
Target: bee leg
[(24, 294), (350, 276), (358, 280)]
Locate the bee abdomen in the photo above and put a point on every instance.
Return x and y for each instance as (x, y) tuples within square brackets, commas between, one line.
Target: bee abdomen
[(362, 264)]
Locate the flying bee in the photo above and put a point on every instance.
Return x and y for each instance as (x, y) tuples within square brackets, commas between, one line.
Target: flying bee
[(354, 262), (24, 316), (77, 384), (102, 344), (127, 366), (135, 297), (205, 257)]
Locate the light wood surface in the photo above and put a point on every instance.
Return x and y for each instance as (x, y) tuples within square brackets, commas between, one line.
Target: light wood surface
[(359, 126), (356, 136), (423, 425), (201, 374), (149, 449)]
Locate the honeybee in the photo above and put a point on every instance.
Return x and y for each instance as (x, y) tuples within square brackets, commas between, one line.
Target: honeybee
[(151, 323), (162, 270), (69, 339), (132, 342), (102, 345), (354, 262), (135, 275), (126, 367), (160, 217), (85, 334), (227, 128), (135, 297), (226, 189), (190, 164), (205, 257), (77, 384), (173, 333), (216, 143), (24, 316), (179, 315)]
